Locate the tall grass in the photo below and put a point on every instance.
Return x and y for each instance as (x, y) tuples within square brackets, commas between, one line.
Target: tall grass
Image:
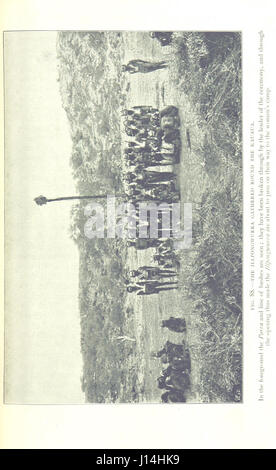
[(208, 70), (213, 281)]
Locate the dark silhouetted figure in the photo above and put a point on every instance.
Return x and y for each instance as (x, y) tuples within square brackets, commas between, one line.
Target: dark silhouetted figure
[(151, 272), (164, 37), (143, 66), (175, 324), (173, 396)]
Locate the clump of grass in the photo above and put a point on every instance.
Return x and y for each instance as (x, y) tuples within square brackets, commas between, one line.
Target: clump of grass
[(208, 70), (213, 283)]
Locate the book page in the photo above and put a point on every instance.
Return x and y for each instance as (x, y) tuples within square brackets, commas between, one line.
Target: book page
[(138, 225)]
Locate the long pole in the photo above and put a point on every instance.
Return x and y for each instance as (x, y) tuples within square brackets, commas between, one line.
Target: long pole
[(41, 200), (98, 196)]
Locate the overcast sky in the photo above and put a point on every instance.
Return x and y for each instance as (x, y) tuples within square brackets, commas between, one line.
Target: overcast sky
[(42, 329)]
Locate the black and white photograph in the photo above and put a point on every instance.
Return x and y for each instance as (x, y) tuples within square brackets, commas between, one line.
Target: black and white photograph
[(124, 209)]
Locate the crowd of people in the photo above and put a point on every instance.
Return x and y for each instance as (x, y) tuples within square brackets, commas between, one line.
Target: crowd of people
[(153, 142), (148, 280), (151, 149), (158, 277), (175, 378)]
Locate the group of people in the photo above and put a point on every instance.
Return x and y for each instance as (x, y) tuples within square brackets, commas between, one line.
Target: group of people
[(159, 277), (153, 141), (162, 276), (165, 255), (146, 152), (148, 280), (175, 378)]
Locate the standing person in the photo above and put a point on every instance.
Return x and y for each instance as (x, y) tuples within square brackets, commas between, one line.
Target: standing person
[(173, 396), (144, 109), (130, 158), (164, 37), (152, 272), (143, 119), (134, 193), (166, 252), (153, 142), (133, 147), (148, 112), (152, 287), (162, 192), (143, 66), (143, 243), (127, 112), (182, 363), (171, 350), (132, 131), (136, 123), (178, 381), (143, 159), (149, 177), (142, 135), (168, 195), (156, 176), (175, 324), (165, 263), (130, 177), (164, 159), (168, 260), (137, 145)]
